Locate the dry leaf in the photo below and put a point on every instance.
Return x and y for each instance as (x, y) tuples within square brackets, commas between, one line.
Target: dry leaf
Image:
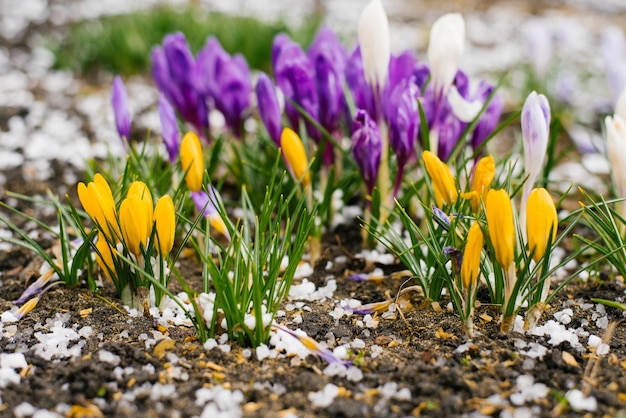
[(162, 348), (442, 334), (485, 317)]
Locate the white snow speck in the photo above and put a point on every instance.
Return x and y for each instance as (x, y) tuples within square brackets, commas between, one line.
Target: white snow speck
[(324, 397), (578, 401)]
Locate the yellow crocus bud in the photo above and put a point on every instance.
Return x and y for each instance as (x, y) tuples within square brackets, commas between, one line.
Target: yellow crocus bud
[(484, 173), (140, 190), (192, 161), (295, 156), (441, 178), (470, 268), (104, 257), (541, 223), (165, 224), (501, 226), (97, 200), (136, 223)]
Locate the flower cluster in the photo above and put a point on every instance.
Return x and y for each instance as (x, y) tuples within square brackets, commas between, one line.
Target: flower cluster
[(131, 237)]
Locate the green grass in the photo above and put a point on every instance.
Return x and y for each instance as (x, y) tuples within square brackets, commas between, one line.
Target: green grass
[(122, 44)]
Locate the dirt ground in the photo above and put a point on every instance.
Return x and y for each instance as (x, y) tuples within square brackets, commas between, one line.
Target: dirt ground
[(426, 353)]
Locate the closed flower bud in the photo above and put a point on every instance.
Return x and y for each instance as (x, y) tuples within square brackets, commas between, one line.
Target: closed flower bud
[(192, 161), (97, 200), (375, 44), (169, 128), (470, 268), (366, 147), (165, 224), (136, 223), (269, 107), (445, 49), (541, 223), (295, 156), (140, 190), (501, 226), (535, 133), (483, 176), (441, 178), (121, 110)]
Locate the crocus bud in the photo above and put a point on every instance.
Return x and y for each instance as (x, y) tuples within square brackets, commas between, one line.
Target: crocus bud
[(500, 224), (165, 224), (620, 106), (121, 110), (105, 257), (535, 134), (140, 190), (97, 200), (169, 128), (296, 78), (269, 107), (441, 178), (361, 91), (470, 268), (136, 223), (329, 58), (295, 156), (616, 149), (445, 49), (403, 119), (542, 222), (375, 44), (192, 161), (484, 173), (366, 147)]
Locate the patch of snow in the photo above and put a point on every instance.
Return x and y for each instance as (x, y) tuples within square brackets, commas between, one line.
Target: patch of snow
[(324, 397), (579, 402), (557, 333), (219, 402), (107, 357), (528, 390)]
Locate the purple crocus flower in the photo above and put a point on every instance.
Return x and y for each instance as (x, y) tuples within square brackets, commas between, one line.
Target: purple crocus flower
[(121, 110), (329, 59), (366, 147), (403, 119), (226, 80), (169, 128), (401, 67), (269, 108), (362, 93), (172, 69), (296, 78)]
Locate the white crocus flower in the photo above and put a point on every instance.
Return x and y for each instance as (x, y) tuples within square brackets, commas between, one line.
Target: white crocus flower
[(535, 134), (445, 49), (616, 148), (375, 45)]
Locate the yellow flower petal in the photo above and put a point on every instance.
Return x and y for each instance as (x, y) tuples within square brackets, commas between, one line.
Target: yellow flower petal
[(97, 200), (295, 156), (136, 223), (104, 257), (501, 226), (192, 161), (542, 222), (165, 224), (484, 173), (441, 179), (470, 268)]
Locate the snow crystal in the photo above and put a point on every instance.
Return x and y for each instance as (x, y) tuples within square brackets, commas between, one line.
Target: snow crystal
[(161, 391), (324, 397), (306, 291), (8, 376), (107, 357), (12, 361), (303, 270), (219, 402), (376, 350), (557, 333), (578, 401), (564, 316), (358, 343), (262, 352), (56, 343), (376, 257), (24, 410), (528, 390)]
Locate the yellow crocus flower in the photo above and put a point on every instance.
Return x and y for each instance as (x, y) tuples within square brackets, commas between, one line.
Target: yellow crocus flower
[(470, 267), (136, 223), (542, 221), (484, 173), (295, 156), (97, 200), (104, 257), (139, 189), (192, 161), (165, 224), (501, 226), (441, 179)]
